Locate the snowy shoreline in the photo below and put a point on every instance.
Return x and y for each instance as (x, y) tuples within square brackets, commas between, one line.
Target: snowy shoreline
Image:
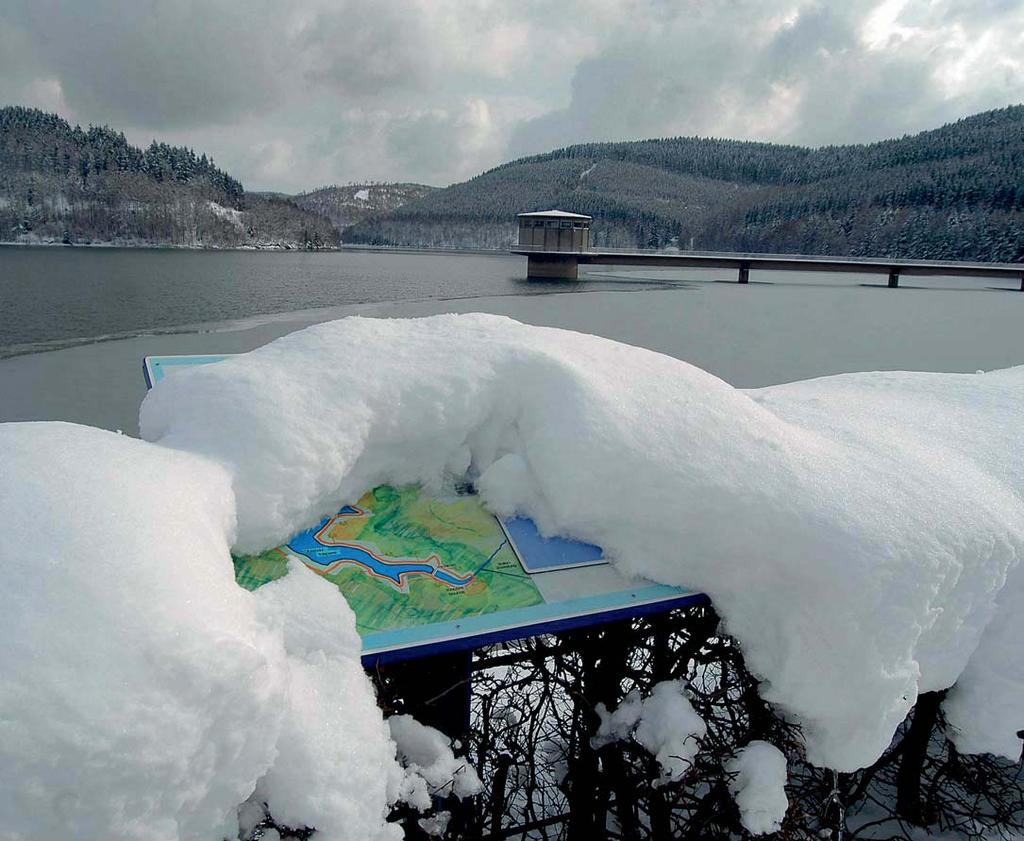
[(268, 246)]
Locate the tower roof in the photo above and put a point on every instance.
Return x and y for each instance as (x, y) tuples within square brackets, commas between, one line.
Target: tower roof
[(553, 214)]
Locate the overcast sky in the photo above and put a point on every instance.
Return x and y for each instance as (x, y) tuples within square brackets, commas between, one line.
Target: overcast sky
[(293, 95)]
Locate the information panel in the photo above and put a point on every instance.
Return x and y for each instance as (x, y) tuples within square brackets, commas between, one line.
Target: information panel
[(426, 573)]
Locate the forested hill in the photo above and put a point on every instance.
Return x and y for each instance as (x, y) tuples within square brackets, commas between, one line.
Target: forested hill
[(347, 205), (956, 192), (64, 184)]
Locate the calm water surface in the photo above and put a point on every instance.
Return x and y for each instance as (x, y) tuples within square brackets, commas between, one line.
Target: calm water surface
[(56, 297)]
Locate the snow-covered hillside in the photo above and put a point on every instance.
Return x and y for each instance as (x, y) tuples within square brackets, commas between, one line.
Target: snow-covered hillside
[(347, 205)]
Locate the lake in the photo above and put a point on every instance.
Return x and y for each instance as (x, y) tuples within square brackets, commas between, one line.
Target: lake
[(56, 297), (97, 312)]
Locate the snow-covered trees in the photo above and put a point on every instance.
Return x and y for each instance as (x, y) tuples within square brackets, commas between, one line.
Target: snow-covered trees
[(951, 193), (59, 183)]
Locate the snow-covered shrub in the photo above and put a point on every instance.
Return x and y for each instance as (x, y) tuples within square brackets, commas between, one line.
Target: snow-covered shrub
[(431, 768), (664, 723)]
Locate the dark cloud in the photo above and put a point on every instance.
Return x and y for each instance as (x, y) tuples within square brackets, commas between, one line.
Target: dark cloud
[(157, 64)]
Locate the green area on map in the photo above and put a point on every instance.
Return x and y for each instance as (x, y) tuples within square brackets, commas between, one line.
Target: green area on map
[(404, 558)]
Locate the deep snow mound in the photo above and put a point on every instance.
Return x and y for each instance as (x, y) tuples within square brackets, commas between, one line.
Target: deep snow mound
[(856, 564), (144, 693), (968, 422), (133, 666)]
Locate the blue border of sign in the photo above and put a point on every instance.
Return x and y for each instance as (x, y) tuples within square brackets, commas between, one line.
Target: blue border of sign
[(549, 626), (153, 366)]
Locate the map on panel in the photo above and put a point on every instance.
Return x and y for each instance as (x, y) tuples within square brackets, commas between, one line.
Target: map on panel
[(404, 558)]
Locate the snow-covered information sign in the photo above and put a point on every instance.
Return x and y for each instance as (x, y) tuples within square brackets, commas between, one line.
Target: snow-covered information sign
[(425, 572)]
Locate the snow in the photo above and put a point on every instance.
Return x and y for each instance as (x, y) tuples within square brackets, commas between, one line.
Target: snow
[(984, 706), (759, 787), (561, 214), (137, 678), (967, 421), (145, 694), (983, 710), (860, 535), (670, 729), (334, 758), (228, 214), (855, 532), (436, 824), (664, 723), (250, 815), (619, 723), (362, 195), (429, 764), (552, 759)]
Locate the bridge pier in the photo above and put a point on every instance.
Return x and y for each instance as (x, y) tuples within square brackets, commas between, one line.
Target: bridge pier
[(744, 275), (894, 278), (551, 267)]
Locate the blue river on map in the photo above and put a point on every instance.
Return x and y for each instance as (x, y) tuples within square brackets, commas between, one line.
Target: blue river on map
[(308, 546)]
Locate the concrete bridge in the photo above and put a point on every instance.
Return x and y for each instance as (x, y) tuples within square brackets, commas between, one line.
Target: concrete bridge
[(565, 264)]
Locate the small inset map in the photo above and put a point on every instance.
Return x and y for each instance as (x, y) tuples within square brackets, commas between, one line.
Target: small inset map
[(544, 554), (405, 558)]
